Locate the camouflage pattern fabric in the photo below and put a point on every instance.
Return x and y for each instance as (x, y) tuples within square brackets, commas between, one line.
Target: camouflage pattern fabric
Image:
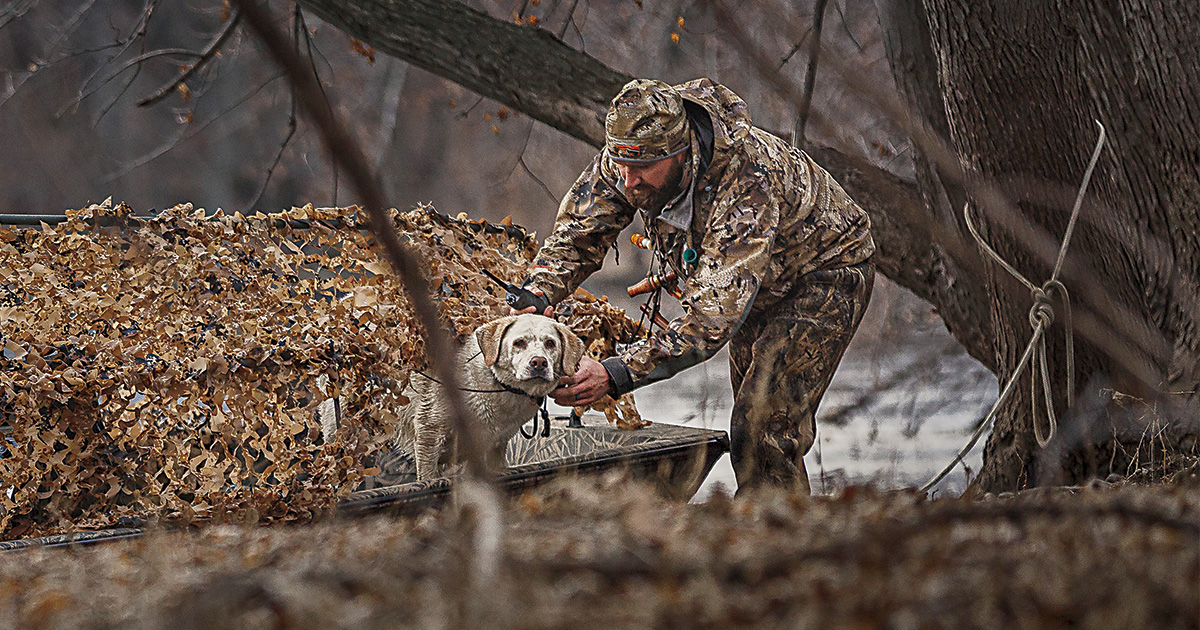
[(780, 364), (646, 123), (760, 216)]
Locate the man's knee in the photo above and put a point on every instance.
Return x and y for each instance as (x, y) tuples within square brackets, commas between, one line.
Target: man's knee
[(771, 451)]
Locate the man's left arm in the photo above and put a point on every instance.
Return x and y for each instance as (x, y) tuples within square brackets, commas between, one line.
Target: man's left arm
[(718, 295), (590, 218)]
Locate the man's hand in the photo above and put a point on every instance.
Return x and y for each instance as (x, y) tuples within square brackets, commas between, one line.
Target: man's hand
[(549, 312), (519, 294), (589, 384)]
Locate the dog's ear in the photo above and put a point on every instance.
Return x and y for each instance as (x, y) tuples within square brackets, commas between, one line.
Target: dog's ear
[(489, 337), (572, 351)]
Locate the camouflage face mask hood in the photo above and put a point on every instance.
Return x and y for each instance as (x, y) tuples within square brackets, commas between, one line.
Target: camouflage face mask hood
[(645, 123)]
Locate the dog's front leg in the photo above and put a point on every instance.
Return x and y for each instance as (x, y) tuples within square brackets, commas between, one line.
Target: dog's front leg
[(427, 447)]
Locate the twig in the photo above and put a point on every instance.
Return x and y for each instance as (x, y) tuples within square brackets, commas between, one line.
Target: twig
[(116, 97), (138, 32), (463, 114), (132, 63), (795, 49), (345, 150), (313, 51), (536, 179), (301, 28), (69, 27), (120, 93), (570, 19), (287, 138), (15, 11), (521, 162), (184, 137), (846, 27), (208, 54), (579, 30), (810, 75), (161, 52)]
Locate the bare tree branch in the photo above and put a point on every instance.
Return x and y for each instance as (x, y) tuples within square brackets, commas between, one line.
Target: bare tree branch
[(183, 136), (120, 93), (287, 138), (795, 49), (846, 27), (301, 31), (11, 88), (556, 84), (15, 11), (138, 32), (208, 54), (537, 179), (570, 19), (810, 75), (345, 150), (71, 25)]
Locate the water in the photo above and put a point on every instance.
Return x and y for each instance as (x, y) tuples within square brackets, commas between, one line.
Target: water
[(904, 400)]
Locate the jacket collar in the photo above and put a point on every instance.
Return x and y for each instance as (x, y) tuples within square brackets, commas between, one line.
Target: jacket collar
[(679, 211)]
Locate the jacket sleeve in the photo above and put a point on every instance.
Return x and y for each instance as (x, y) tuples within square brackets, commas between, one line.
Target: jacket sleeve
[(590, 218), (718, 295)]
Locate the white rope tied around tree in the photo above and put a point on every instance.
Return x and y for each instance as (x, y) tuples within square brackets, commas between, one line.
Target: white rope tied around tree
[(1041, 315)]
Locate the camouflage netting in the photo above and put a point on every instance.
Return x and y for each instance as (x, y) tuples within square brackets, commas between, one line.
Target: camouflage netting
[(171, 368)]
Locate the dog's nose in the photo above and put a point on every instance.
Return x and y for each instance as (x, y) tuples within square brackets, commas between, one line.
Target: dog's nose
[(539, 363)]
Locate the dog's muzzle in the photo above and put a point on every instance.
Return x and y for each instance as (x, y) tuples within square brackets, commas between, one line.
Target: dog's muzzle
[(539, 367)]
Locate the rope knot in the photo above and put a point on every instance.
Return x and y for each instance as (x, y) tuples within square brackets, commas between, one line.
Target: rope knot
[(1041, 314)]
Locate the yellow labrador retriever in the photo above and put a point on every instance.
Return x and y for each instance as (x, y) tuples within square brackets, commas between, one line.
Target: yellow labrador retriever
[(507, 367)]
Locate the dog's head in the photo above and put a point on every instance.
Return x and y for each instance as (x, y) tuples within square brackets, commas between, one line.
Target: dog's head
[(529, 352)]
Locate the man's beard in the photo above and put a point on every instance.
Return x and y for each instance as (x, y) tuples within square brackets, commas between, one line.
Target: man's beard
[(653, 200)]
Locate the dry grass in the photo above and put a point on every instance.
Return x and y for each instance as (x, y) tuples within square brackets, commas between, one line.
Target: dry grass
[(609, 553)]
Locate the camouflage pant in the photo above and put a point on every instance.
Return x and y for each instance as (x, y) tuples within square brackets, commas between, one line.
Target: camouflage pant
[(781, 362)]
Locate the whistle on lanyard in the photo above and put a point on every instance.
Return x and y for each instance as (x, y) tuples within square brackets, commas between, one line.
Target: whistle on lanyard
[(668, 281)]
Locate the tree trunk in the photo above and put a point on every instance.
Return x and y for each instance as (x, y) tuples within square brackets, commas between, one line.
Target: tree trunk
[(962, 296), (1022, 84)]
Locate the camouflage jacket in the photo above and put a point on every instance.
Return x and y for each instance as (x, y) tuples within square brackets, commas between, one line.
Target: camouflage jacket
[(758, 212)]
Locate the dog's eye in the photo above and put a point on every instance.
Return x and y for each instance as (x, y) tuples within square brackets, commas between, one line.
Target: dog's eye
[(549, 344), (519, 344)]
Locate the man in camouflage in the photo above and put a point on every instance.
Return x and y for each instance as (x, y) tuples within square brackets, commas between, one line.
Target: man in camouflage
[(770, 252)]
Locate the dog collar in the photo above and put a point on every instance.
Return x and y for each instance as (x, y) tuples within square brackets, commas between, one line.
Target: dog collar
[(540, 402)]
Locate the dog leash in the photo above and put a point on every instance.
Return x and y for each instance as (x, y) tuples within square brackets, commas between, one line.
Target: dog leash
[(545, 416)]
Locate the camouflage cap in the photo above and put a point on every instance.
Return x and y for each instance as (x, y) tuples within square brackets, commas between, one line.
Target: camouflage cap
[(645, 123)]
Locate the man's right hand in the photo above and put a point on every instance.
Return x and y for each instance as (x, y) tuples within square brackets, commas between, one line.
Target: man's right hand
[(534, 298), (549, 312)]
